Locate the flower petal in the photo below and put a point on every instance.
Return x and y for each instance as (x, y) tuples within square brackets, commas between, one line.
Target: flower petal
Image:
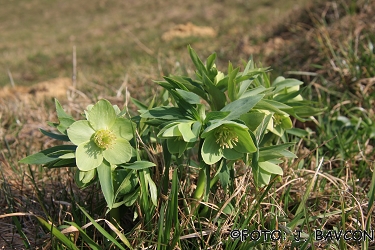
[(80, 131), (123, 128), (231, 154), (211, 151), (102, 115), (88, 156), (120, 153), (245, 144)]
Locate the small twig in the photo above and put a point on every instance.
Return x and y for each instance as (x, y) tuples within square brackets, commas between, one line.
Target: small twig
[(74, 76), (123, 85), (11, 79), (139, 43)]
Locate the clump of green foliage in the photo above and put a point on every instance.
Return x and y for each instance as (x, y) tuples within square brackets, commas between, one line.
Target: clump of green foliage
[(211, 123)]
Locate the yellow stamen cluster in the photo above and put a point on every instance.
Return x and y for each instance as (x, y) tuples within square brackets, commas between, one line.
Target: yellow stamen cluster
[(277, 119), (226, 137), (104, 138)]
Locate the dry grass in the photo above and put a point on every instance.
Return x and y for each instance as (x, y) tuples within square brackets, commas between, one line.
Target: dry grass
[(123, 51)]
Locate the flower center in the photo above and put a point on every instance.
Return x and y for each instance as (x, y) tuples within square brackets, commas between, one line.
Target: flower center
[(226, 137), (104, 138)]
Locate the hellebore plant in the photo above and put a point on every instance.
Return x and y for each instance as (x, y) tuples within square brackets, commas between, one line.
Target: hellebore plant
[(211, 121)]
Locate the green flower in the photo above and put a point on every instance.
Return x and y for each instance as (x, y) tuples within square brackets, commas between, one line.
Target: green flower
[(226, 139), (103, 136), (180, 135)]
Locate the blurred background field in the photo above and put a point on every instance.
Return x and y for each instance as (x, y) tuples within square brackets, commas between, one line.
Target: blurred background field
[(114, 46)]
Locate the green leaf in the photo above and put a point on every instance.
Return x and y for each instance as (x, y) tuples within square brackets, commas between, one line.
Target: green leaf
[(86, 176), (166, 113), (138, 104), (43, 157), (68, 156), (216, 96), (271, 168), (288, 154), (211, 151), (177, 146), (255, 91), (252, 119), (138, 165), (128, 183), (170, 130), (216, 115), (102, 115), (104, 232), (287, 83), (189, 96), (62, 163), (231, 154), (224, 175), (55, 232), (232, 88), (189, 84), (264, 177), (241, 106), (38, 158), (275, 148), (297, 132), (60, 111), (55, 136), (106, 183), (272, 106), (64, 124), (210, 62), (130, 199), (197, 62), (153, 190), (261, 129), (85, 237)]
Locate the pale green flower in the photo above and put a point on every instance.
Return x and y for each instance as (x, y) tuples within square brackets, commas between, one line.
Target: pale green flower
[(103, 136), (227, 139)]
